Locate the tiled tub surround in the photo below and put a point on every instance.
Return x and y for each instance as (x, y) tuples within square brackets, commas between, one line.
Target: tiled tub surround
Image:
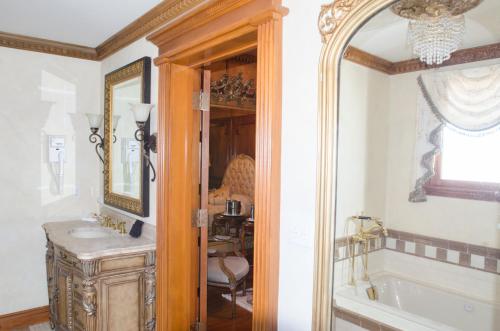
[(463, 254), (342, 248), (459, 253), (445, 260)]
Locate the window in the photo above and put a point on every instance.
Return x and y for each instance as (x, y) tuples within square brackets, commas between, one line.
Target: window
[(468, 167)]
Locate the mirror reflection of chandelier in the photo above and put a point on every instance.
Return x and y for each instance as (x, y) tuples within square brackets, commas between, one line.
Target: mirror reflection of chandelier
[(436, 27)]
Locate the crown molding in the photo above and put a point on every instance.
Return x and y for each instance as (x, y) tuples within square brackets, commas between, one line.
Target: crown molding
[(46, 46), (213, 10), (468, 55), (162, 13), (366, 59)]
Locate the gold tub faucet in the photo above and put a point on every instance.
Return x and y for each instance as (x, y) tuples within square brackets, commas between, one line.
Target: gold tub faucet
[(363, 236)]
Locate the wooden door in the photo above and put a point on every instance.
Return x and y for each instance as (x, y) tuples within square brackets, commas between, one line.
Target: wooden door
[(178, 199), (205, 155)]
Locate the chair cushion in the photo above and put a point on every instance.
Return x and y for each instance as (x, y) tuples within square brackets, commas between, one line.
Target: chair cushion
[(238, 266)]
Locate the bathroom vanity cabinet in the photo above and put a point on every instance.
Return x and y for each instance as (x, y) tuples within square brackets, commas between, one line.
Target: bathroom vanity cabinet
[(114, 292)]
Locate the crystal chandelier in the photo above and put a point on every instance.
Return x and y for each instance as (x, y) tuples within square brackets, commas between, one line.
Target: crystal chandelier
[(433, 40), (436, 27)]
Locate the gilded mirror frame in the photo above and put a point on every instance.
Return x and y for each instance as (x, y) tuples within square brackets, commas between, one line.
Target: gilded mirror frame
[(337, 23), (140, 68)]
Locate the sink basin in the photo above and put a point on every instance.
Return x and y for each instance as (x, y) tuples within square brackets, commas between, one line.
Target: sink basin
[(90, 233)]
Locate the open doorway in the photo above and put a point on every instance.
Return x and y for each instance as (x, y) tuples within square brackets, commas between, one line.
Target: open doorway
[(231, 183), (217, 35)]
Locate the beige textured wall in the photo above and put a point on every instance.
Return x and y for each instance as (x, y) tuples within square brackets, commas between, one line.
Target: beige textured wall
[(41, 95), (363, 135)]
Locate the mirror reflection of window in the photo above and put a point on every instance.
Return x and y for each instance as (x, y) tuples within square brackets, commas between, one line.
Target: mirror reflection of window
[(126, 151)]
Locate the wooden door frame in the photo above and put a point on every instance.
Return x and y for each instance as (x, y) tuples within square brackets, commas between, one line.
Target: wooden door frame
[(221, 30), (337, 23)]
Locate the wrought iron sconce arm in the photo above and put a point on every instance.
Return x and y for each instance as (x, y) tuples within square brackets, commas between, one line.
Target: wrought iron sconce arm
[(98, 140), (149, 144)]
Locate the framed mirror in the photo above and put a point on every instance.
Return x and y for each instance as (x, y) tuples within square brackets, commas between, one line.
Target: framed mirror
[(126, 174)]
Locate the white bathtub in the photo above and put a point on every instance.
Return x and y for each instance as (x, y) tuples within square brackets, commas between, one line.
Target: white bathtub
[(409, 306)]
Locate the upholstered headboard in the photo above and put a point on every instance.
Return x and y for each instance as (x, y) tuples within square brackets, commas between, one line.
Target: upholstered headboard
[(240, 175)]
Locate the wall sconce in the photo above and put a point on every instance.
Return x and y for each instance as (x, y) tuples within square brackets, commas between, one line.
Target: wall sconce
[(95, 121), (141, 113)]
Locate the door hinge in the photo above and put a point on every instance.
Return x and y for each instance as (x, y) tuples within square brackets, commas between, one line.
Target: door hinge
[(198, 327), (201, 101), (200, 218)]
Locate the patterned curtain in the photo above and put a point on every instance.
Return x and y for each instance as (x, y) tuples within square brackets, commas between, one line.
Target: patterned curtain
[(466, 101)]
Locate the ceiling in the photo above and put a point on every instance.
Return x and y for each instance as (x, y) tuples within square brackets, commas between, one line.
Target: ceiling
[(385, 34), (81, 22)]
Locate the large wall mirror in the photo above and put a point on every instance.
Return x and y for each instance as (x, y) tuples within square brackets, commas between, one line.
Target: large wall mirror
[(126, 173)]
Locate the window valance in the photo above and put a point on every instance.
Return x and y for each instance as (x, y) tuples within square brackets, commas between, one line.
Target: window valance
[(467, 101)]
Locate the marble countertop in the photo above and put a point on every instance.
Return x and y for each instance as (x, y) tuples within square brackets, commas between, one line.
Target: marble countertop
[(91, 248)]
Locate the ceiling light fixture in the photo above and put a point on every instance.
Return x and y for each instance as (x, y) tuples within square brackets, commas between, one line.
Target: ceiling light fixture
[(436, 27)]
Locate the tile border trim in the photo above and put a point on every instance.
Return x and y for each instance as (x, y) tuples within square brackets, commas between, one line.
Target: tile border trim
[(476, 257), (466, 255)]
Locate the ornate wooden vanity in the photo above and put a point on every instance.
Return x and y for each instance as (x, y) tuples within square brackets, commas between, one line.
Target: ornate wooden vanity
[(100, 289)]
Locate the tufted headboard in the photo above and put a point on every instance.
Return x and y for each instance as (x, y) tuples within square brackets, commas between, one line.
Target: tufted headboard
[(240, 175)]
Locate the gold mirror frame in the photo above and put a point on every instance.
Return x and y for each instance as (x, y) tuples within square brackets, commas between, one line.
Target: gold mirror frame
[(140, 68), (337, 23)]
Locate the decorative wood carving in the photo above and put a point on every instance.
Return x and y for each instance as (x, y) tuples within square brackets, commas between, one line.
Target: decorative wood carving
[(233, 90), (46, 46), (331, 15), (49, 263), (90, 292), (150, 291), (368, 60), (422, 9)]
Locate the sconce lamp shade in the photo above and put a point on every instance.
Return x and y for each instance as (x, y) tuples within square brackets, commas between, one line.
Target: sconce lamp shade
[(141, 111), (95, 120), (116, 118)]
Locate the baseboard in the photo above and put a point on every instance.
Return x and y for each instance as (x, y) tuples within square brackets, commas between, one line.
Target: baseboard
[(24, 318)]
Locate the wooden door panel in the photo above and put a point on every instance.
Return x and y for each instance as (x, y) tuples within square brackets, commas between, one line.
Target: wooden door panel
[(179, 200), (121, 302), (204, 162)]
